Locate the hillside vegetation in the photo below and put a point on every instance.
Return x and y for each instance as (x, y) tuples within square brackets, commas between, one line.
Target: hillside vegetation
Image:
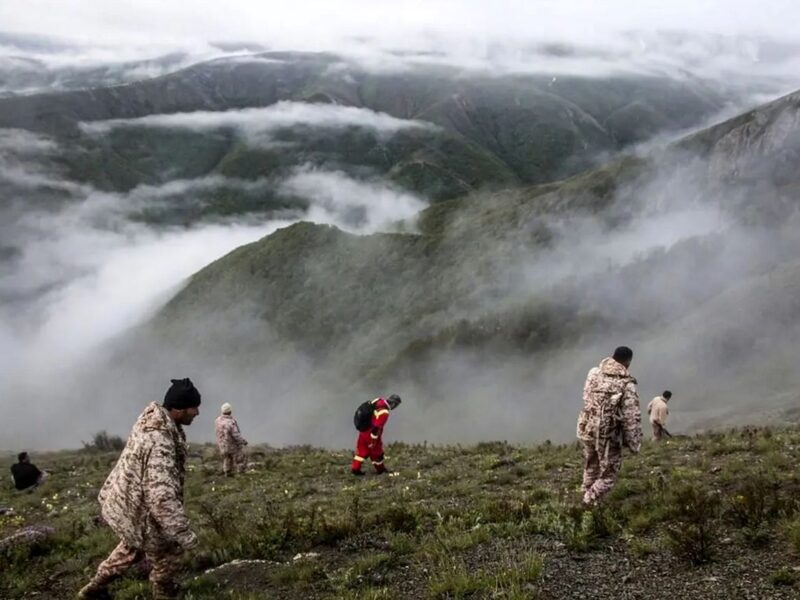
[(711, 516)]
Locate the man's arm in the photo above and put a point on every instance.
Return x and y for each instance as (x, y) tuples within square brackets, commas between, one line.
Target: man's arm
[(379, 420), (590, 384), (162, 492), (632, 417), (237, 435)]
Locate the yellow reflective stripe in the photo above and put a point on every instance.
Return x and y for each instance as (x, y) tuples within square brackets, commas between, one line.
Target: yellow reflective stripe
[(373, 436), (358, 458), (376, 463), (381, 412)]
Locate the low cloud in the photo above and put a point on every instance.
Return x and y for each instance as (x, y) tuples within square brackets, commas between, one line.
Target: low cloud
[(353, 205), (256, 123)]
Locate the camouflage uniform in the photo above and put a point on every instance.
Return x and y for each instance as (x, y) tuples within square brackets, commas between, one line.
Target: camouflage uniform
[(142, 501), (231, 444), (610, 420)]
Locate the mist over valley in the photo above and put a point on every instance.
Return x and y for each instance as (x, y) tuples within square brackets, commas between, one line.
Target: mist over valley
[(471, 221)]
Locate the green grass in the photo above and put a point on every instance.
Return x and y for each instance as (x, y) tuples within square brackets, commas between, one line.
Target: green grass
[(443, 528)]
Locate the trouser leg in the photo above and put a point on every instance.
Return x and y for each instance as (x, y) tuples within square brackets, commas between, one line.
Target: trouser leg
[(610, 465), (240, 460), (362, 451), (658, 431), (377, 457), (228, 465), (120, 560), (591, 466), (165, 567)]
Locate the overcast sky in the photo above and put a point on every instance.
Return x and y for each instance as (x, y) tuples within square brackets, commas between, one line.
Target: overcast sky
[(728, 41), (311, 22)]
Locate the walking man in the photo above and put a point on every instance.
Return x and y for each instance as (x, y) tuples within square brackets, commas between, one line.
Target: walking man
[(658, 411), (230, 442), (369, 443), (142, 499), (609, 421)]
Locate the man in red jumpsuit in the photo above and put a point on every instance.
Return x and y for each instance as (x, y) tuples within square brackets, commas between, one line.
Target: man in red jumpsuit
[(370, 443)]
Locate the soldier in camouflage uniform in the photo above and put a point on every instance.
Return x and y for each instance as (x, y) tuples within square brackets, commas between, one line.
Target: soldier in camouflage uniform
[(142, 499), (609, 421), (230, 442)]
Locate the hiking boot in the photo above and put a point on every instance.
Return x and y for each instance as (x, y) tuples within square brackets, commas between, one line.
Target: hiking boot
[(357, 473), (93, 592)]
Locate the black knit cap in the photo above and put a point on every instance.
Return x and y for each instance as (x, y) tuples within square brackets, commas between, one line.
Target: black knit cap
[(182, 394)]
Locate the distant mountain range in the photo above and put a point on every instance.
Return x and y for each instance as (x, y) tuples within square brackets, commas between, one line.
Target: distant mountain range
[(486, 131), (550, 236)]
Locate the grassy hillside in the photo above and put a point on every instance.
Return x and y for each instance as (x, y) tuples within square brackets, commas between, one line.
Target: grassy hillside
[(371, 298), (711, 516)]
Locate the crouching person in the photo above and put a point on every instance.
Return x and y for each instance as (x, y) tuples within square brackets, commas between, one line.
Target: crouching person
[(142, 499), (25, 474), (230, 442)]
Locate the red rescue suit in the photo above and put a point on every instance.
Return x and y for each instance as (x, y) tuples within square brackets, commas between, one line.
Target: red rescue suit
[(369, 443)]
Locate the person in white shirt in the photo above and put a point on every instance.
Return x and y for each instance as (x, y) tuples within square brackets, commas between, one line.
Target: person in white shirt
[(658, 411)]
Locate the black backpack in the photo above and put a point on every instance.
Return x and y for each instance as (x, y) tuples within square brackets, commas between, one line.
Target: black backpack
[(363, 417)]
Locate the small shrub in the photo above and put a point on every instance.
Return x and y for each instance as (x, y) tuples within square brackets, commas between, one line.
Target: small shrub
[(513, 577), (400, 519), (503, 510), (104, 442), (791, 530), (692, 533), (455, 580), (641, 548), (645, 521), (466, 539), (539, 495), (575, 526), (371, 564), (402, 544), (783, 577), (754, 502), (755, 537)]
